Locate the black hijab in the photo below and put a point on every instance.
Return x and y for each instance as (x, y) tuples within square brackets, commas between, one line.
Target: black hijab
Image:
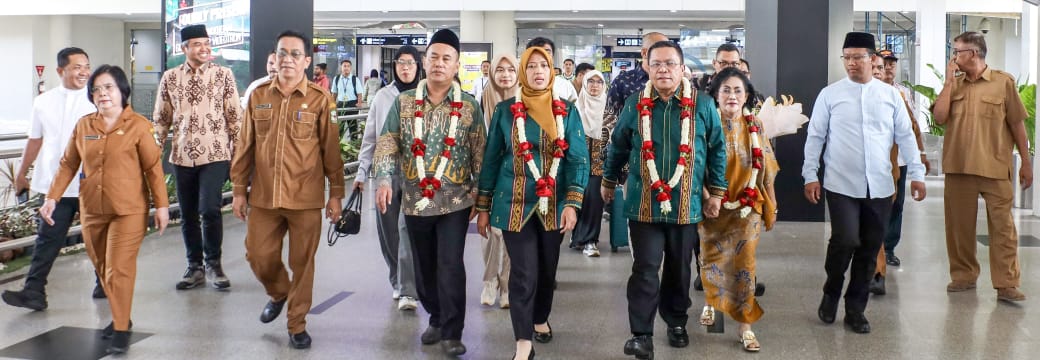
[(410, 50)]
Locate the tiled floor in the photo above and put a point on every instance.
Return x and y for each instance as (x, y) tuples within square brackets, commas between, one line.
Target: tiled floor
[(918, 319)]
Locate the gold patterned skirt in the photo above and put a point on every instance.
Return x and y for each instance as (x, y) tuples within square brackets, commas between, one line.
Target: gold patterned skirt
[(727, 262)]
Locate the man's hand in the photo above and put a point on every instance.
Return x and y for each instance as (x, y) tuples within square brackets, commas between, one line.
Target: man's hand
[(927, 164), (383, 198), (917, 190), (711, 208), (483, 223), (359, 185), (812, 192), (47, 210), (333, 209), (21, 183), (1025, 175), (162, 218), (608, 194), (952, 69), (568, 220), (239, 207)]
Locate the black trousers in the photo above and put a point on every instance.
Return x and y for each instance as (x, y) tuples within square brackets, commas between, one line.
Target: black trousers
[(348, 125), (670, 294), (198, 191), (438, 244), (590, 219), (534, 253), (857, 229), (49, 241), (895, 224)]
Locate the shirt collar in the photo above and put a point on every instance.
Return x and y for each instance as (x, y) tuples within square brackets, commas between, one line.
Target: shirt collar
[(301, 87), (124, 117), (202, 69)]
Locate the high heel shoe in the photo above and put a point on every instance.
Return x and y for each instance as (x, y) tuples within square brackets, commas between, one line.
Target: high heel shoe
[(544, 337), (530, 356)]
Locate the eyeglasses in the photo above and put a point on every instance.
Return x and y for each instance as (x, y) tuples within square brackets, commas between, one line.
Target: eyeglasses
[(957, 51), (296, 54), (595, 82), (405, 63), (655, 65), (728, 64), (856, 57), (107, 88)]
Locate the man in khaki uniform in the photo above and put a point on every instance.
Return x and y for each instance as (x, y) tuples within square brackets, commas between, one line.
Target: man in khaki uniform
[(984, 121), (289, 146)]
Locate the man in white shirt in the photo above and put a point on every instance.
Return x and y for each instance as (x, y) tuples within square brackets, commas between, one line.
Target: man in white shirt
[(561, 89), (54, 116), (271, 72), (858, 118), (485, 78)]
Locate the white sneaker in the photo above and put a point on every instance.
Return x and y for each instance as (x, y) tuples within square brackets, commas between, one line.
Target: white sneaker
[(397, 294), (407, 303), (591, 250), (487, 297), (503, 300)]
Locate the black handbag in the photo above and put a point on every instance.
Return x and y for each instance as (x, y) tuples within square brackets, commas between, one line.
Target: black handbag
[(349, 220)]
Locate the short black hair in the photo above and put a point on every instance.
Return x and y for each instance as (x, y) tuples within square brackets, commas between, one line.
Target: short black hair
[(485, 62), (118, 75), (374, 73), (664, 44), (541, 42), (725, 74), (66, 53), (322, 66), (583, 67), (727, 47), (298, 35), (571, 60), (346, 61)]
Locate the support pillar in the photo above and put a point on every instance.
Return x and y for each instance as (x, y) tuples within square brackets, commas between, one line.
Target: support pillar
[(267, 19)]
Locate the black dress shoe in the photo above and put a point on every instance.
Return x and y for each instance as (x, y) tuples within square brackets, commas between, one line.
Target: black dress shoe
[(300, 341), (271, 311), (892, 259), (828, 309), (107, 332), (120, 342), (858, 323), (641, 346), (29, 299), (544, 337), (431, 336), (99, 292), (453, 347), (877, 285), (678, 337), (697, 284)]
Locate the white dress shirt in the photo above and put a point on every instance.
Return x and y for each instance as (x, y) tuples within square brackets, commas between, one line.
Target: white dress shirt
[(54, 117), (478, 87), (563, 88), (859, 123)]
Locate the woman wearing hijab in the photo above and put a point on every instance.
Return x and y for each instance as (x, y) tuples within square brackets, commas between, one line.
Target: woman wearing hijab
[(535, 169), (502, 86), (592, 100), (393, 238)]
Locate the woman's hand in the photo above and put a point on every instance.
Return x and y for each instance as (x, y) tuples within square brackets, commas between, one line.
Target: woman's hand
[(483, 223), (162, 218), (568, 220), (47, 210)]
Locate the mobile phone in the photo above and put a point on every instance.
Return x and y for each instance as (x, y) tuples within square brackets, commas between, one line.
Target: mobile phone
[(23, 196)]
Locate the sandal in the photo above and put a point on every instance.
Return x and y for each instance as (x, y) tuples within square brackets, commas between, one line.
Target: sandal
[(750, 342), (708, 316)]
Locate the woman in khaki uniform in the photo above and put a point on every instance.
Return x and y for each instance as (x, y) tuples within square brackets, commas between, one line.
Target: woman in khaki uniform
[(121, 164)]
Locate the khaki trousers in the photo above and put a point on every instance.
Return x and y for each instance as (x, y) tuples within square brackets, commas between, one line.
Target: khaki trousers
[(496, 260), (961, 203), (112, 243), (265, 231)]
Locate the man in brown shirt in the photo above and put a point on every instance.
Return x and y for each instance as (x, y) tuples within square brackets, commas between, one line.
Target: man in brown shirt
[(984, 120), (198, 102), (288, 148)]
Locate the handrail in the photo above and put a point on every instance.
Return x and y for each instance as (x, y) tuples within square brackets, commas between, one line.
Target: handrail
[(12, 137)]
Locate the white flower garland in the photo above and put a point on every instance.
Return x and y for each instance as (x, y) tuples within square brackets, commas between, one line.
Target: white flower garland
[(550, 183), (645, 106), (429, 186), (746, 201)]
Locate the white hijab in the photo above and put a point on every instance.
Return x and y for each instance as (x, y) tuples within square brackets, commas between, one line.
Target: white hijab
[(591, 107)]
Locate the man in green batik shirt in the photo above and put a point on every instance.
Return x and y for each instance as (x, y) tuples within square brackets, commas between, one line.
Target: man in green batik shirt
[(656, 233), (438, 230)]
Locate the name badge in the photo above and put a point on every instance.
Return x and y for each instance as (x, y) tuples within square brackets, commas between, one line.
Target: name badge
[(263, 106), (92, 137)]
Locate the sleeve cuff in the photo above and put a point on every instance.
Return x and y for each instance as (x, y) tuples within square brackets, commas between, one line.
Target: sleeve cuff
[(717, 192), (239, 190), (336, 191), (609, 184), (483, 202), (574, 199)]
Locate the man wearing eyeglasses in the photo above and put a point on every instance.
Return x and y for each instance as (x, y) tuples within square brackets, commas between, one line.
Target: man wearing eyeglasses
[(726, 56), (659, 236), (984, 120), (198, 102), (858, 118), (288, 149)]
